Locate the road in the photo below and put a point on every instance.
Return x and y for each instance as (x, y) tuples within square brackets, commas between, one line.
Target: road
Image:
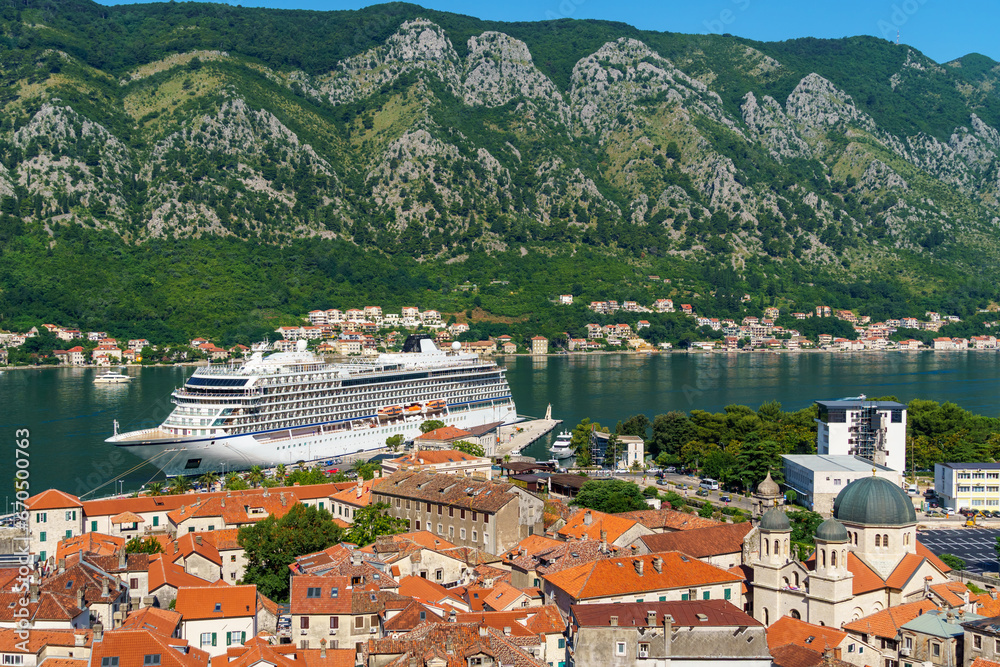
[(973, 545), (672, 479)]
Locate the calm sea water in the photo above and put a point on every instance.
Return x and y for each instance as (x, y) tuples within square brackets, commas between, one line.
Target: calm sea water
[(68, 416)]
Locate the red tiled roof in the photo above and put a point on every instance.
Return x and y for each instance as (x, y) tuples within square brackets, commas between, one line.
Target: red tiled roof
[(202, 602), (932, 557), (669, 519), (724, 538), (502, 596), (195, 543), (618, 576), (126, 517), (39, 639), (577, 526), (323, 601), (444, 433), (131, 647), (983, 662), (886, 623), (434, 456), (52, 499), (952, 592), (791, 655), (904, 570), (352, 496), (788, 630), (223, 539), (142, 504), (427, 591), (153, 619), (162, 572), (717, 613), (97, 544)]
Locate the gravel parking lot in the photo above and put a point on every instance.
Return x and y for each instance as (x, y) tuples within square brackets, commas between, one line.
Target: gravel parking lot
[(973, 545)]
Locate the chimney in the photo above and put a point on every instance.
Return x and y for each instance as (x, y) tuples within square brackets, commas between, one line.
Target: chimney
[(449, 645), (927, 585), (482, 631), (98, 629), (604, 541), (197, 540), (223, 502), (650, 618), (668, 627), (79, 598), (588, 518), (658, 565), (33, 593), (148, 601), (79, 640), (322, 648), (638, 566), (413, 660), (105, 592), (62, 565), (122, 559), (613, 621), (506, 631), (284, 502)]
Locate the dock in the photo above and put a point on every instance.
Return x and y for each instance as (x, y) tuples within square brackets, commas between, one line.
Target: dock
[(515, 437)]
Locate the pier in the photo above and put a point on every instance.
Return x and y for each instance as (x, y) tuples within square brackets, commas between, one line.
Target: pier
[(515, 437)]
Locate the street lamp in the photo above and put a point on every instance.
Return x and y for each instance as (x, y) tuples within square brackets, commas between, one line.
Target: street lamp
[(121, 483)]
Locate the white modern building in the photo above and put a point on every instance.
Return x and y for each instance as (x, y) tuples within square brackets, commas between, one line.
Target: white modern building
[(873, 430), (973, 485), (818, 478)]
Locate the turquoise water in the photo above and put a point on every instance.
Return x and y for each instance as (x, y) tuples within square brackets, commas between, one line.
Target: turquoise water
[(68, 416)]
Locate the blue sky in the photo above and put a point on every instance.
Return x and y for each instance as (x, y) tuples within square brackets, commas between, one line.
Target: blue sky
[(943, 30)]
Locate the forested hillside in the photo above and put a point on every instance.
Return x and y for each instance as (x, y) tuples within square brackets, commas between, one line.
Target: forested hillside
[(206, 169)]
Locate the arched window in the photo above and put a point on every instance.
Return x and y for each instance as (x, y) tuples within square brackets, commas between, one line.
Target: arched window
[(885, 541), (855, 539), (767, 547), (906, 539), (833, 558), (795, 613), (795, 579), (777, 548), (765, 615), (878, 540), (822, 553)]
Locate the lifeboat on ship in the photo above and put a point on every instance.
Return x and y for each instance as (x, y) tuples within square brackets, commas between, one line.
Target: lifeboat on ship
[(437, 405), (413, 409), (390, 412)]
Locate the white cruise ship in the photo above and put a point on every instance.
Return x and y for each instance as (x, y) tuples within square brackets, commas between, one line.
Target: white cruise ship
[(290, 406)]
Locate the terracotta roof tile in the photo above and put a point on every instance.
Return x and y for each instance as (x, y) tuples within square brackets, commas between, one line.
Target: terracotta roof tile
[(987, 605), (131, 647), (358, 496), (792, 655), (315, 595), (428, 591), (435, 456), (50, 607), (443, 433), (668, 519), (223, 539), (98, 544), (195, 543), (904, 570), (886, 623), (52, 499), (954, 593), (63, 662), (39, 639), (153, 619), (932, 557), (721, 539), (618, 576), (412, 615), (502, 597), (788, 630), (162, 572), (983, 662), (454, 643), (718, 613), (589, 524), (146, 504), (209, 602)]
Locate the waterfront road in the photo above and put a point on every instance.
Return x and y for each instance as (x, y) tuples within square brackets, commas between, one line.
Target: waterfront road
[(973, 545)]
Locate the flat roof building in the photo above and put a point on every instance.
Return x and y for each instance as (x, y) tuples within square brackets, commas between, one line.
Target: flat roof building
[(973, 485), (818, 478)]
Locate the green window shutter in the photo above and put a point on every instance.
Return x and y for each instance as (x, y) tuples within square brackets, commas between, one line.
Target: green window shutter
[(93, 526), (663, 598), (41, 536), (562, 642), (243, 637), (213, 639), (638, 599), (728, 594), (684, 596), (42, 556), (707, 595), (156, 521)]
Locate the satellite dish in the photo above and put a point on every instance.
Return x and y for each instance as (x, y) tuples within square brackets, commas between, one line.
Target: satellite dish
[(456, 346)]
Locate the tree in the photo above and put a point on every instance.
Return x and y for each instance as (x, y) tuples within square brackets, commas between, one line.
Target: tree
[(394, 442), (209, 479), (791, 495), (471, 448), (255, 476), (280, 472), (155, 489), (613, 452), (179, 485), (952, 561), (271, 545), (430, 425), (671, 432), (235, 483), (706, 510), (635, 425), (372, 521), (611, 496), (143, 545)]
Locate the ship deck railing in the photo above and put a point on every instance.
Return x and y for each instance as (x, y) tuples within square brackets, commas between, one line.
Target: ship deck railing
[(140, 435), (353, 367)]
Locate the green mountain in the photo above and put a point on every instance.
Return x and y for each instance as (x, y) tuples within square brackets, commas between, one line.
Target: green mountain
[(198, 168)]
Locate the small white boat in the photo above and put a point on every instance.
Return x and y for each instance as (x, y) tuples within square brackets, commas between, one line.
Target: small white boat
[(112, 378), (561, 447)]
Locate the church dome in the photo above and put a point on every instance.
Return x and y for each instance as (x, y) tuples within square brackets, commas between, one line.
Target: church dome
[(768, 487), (874, 501), (831, 530), (775, 519)]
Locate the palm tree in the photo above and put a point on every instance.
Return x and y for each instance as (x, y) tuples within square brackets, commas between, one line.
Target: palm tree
[(155, 489), (209, 479), (179, 485), (280, 472), (256, 476)]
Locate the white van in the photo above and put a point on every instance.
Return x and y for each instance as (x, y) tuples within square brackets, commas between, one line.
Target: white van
[(912, 489), (710, 484)]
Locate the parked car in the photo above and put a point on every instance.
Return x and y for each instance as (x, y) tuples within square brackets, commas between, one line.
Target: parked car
[(726, 499), (662, 482), (702, 492), (671, 469)]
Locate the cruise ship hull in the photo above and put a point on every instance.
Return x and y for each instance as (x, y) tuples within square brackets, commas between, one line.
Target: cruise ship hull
[(194, 456)]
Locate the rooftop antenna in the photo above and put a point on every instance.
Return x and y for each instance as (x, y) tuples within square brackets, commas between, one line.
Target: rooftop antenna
[(897, 36)]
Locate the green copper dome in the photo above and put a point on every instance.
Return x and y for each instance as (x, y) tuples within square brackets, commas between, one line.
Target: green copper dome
[(831, 530), (874, 501), (775, 519)]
